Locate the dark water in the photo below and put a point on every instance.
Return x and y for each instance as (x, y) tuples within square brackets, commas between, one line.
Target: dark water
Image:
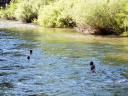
[(59, 65)]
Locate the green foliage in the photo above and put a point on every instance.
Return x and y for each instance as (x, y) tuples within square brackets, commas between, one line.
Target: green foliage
[(100, 15), (104, 16), (24, 12), (56, 14), (122, 19), (27, 11), (8, 12)]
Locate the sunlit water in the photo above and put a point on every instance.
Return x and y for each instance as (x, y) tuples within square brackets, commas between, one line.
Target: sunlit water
[(59, 65)]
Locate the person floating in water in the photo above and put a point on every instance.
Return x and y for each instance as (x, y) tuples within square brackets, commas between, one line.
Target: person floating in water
[(31, 52), (28, 57), (93, 67)]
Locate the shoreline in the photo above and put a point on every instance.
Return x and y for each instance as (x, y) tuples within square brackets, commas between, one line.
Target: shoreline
[(7, 24), (16, 24)]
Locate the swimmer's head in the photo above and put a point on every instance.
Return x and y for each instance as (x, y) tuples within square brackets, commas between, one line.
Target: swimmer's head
[(91, 63)]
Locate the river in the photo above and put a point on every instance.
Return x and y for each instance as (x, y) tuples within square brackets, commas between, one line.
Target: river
[(59, 65)]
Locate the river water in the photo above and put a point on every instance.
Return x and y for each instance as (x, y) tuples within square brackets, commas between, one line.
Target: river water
[(59, 65)]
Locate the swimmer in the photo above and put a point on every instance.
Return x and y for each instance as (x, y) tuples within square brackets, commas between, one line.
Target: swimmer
[(93, 67), (31, 52), (28, 57)]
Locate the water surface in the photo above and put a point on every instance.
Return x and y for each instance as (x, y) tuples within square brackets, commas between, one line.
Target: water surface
[(59, 65)]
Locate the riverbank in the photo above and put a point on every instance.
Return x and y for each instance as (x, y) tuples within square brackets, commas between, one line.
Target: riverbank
[(10, 24), (16, 24), (105, 18)]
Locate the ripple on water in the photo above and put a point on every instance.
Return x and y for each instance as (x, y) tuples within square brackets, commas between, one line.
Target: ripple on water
[(57, 69)]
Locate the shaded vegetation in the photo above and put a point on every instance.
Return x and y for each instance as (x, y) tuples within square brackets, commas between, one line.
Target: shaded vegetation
[(99, 16)]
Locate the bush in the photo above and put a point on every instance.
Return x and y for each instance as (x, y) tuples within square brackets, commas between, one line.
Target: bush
[(122, 18), (104, 16), (8, 12), (27, 11), (24, 12), (100, 15), (56, 14)]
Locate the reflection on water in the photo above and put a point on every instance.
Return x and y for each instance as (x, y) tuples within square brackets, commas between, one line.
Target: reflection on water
[(59, 65)]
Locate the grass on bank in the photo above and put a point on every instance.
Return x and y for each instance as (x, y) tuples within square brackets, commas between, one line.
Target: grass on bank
[(102, 16)]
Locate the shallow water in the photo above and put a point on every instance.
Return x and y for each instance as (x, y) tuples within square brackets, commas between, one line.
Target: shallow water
[(59, 65)]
